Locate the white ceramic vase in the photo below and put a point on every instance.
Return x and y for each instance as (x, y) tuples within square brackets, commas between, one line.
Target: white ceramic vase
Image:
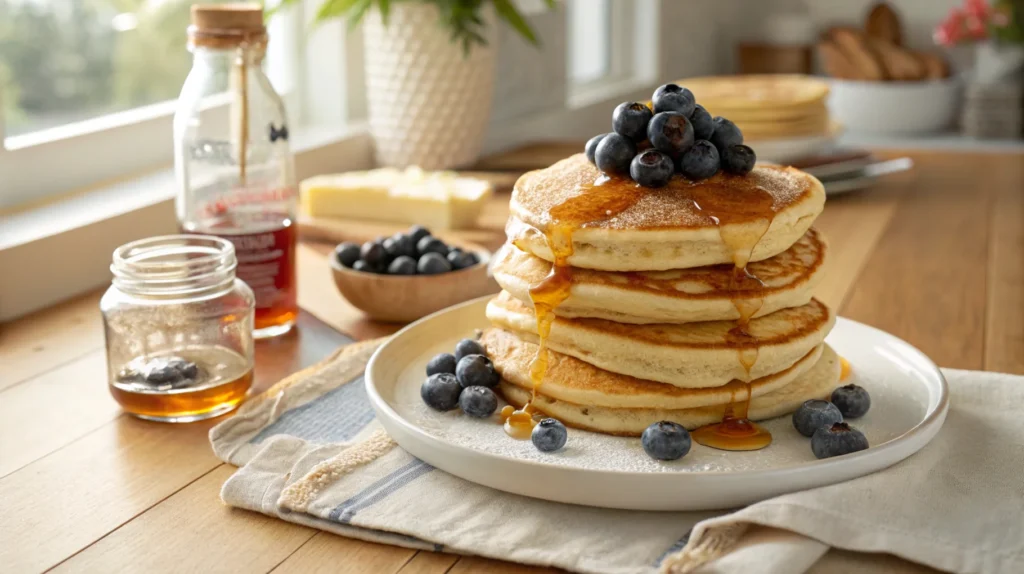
[(429, 103), (996, 63)]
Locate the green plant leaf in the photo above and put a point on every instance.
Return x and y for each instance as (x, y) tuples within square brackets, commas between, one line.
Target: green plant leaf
[(358, 10), (385, 9), (509, 13), (334, 8)]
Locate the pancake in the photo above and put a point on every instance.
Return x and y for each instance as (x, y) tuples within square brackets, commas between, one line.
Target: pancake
[(676, 296), (618, 225), (765, 94), (572, 380), (807, 126), (692, 355), (817, 383)]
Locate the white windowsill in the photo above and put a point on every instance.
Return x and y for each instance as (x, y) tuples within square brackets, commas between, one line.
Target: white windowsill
[(62, 248)]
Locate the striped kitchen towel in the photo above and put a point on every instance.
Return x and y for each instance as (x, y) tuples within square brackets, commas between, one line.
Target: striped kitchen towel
[(310, 452)]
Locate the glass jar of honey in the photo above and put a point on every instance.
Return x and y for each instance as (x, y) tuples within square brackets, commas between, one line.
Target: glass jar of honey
[(179, 328)]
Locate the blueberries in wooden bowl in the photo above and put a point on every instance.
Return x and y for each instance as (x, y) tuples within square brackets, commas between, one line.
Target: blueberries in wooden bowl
[(410, 274)]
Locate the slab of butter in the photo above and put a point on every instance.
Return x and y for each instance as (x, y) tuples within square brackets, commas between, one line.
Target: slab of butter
[(436, 199)]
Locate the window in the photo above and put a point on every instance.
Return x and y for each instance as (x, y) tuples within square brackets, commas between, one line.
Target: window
[(609, 45), (64, 61), (590, 38), (89, 86)]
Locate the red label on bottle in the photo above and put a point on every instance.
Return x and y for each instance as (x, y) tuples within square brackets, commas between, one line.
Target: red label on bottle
[(266, 262)]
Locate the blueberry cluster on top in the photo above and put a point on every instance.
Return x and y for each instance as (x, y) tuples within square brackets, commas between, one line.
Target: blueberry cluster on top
[(415, 252), (677, 136)]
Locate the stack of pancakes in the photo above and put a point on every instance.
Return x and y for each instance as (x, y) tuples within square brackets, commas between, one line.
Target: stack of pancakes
[(769, 106), (657, 318)]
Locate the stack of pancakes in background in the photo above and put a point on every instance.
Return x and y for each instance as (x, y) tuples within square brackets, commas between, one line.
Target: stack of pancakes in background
[(770, 106), (679, 303)]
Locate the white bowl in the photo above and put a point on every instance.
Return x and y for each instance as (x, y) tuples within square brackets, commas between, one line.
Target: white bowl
[(895, 107)]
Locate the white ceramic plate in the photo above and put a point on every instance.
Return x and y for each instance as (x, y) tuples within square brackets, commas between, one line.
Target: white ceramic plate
[(909, 403)]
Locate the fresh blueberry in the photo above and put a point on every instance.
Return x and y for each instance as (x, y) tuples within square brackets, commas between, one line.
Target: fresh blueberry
[(160, 372), (591, 147), (188, 369), (614, 153), (442, 363), (666, 440), (851, 400), (549, 435), (673, 98), (703, 125), (670, 133), (363, 266), (725, 134), (476, 370), (738, 159), (441, 391), (400, 244), (460, 259), (630, 120), (372, 252), (417, 232), (478, 402), (431, 245), (402, 265), (700, 162), (815, 414), (651, 168), (468, 347), (837, 440), (432, 264), (347, 253)]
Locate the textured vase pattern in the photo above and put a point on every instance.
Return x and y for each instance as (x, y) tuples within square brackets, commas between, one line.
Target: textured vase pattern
[(428, 103)]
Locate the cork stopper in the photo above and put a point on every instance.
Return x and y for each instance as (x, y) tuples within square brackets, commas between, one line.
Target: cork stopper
[(226, 25)]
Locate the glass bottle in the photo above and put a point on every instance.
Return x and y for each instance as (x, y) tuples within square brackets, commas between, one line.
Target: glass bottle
[(178, 327), (234, 170)]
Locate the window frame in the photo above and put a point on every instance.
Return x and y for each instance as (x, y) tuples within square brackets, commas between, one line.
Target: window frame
[(43, 166), (633, 52)]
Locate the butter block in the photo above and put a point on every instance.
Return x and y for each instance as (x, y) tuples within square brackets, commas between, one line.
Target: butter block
[(436, 199)]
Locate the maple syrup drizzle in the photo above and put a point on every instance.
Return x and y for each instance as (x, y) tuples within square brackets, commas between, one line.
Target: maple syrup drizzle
[(742, 215), (603, 200)]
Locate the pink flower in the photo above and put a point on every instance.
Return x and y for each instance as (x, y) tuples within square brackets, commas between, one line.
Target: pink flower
[(977, 8), (976, 28)]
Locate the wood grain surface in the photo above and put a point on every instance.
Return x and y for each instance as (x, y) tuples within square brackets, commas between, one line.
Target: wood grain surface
[(935, 256)]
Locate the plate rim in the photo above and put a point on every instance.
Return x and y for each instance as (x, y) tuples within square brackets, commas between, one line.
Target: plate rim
[(935, 416)]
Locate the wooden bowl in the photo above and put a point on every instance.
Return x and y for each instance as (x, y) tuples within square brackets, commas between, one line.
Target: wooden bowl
[(405, 298)]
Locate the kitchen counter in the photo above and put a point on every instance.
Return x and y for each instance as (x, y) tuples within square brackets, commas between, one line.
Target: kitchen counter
[(935, 256)]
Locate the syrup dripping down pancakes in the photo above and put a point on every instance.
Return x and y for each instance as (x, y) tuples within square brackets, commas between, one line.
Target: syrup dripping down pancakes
[(626, 305)]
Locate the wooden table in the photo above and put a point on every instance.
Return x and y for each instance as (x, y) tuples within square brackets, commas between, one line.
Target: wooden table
[(935, 256)]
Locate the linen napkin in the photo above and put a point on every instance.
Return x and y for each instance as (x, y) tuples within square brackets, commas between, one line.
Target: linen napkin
[(311, 453)]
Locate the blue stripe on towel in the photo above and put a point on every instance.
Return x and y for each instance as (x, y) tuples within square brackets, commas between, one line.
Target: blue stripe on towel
[(373, 488), (387, 491), (379, 490), (337, 416), (676, 547)]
